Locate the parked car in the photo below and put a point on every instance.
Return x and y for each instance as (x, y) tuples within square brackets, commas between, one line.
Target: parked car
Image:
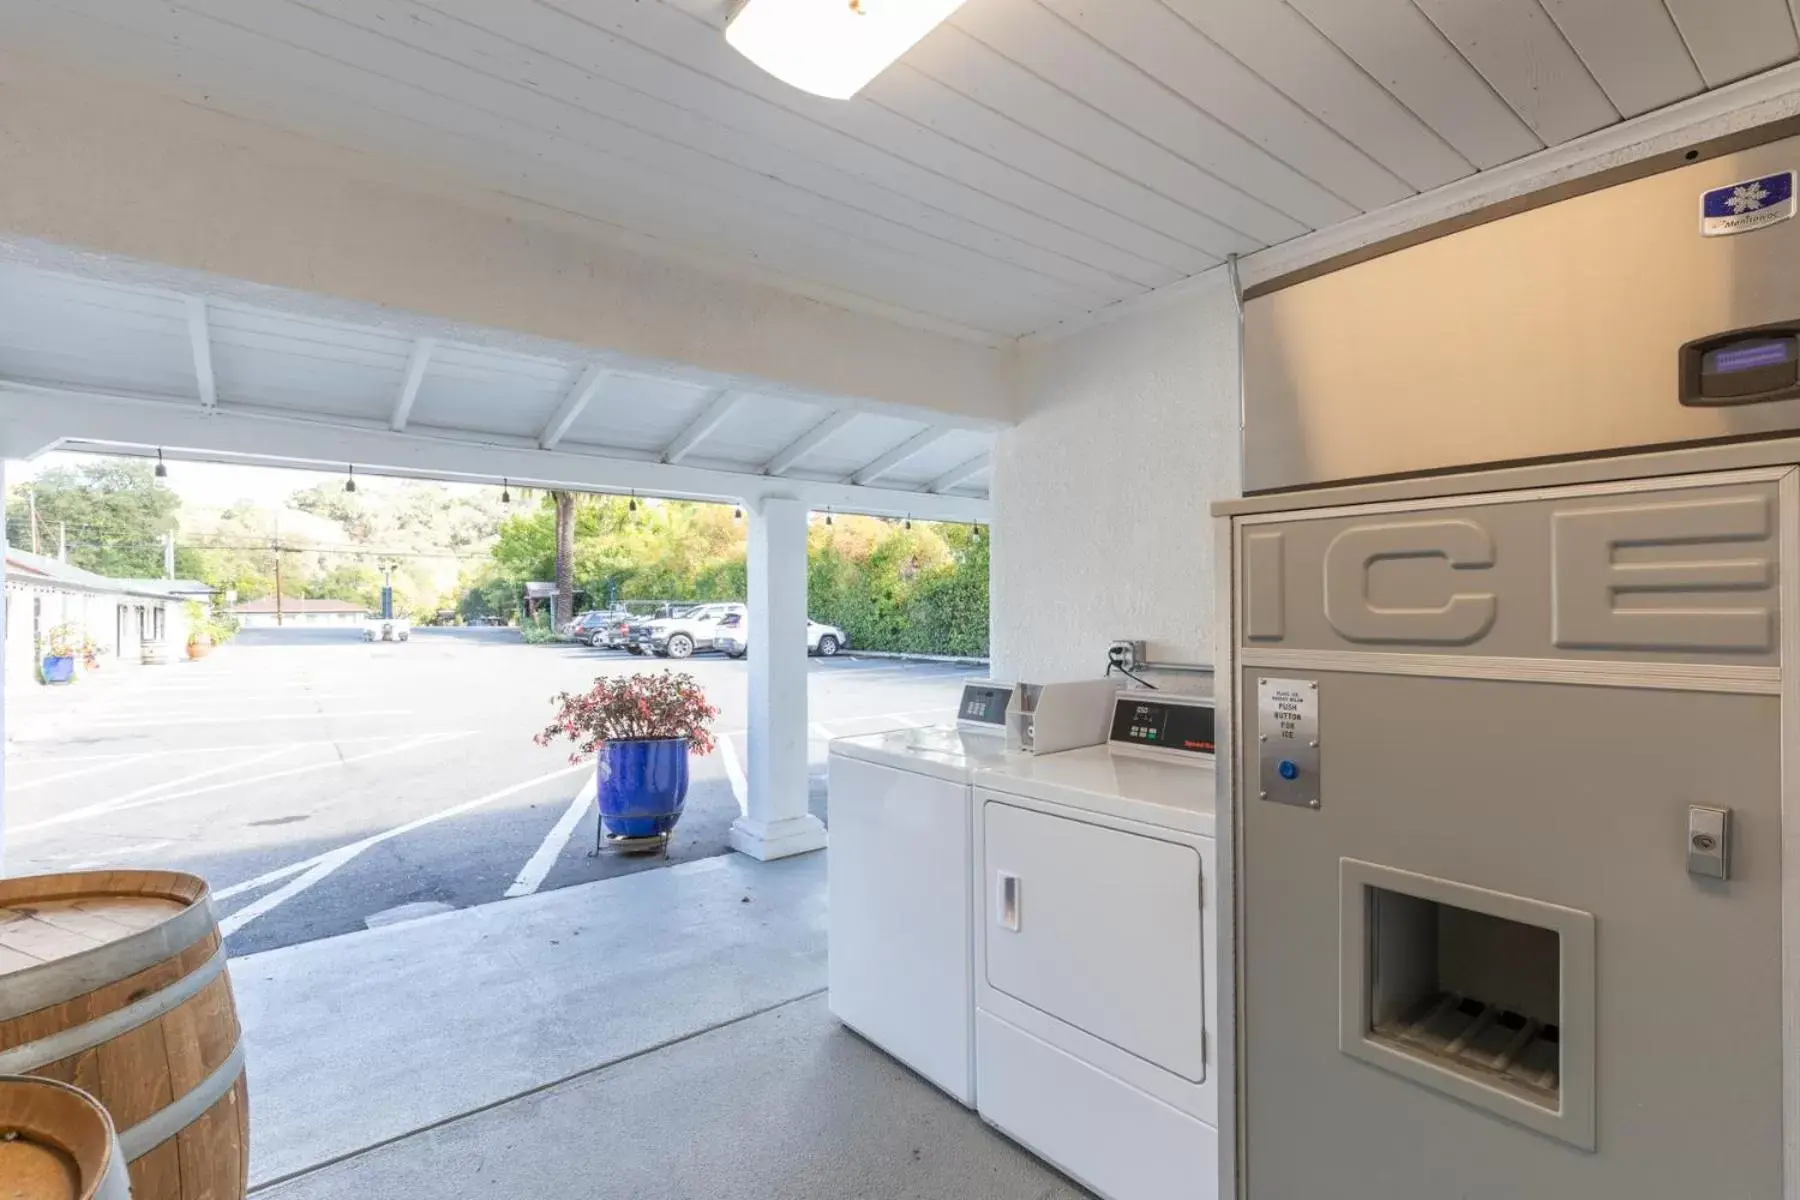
[(386, 629), (590, 627), (732, 638), (632, 632), (680, 635)]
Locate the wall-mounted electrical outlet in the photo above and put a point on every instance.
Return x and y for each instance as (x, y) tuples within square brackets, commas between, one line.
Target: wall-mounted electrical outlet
[(1125, 655)]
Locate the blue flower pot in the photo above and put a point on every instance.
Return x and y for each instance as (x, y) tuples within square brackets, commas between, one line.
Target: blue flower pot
[(642, 786), (59, 668)]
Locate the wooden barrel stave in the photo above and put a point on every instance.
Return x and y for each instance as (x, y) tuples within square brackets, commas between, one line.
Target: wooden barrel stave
[(158, 1069)]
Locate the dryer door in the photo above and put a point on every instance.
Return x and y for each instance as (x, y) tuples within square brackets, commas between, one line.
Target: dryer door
[(1100, 929)]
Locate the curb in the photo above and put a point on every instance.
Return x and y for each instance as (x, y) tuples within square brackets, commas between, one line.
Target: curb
[(902, 656)]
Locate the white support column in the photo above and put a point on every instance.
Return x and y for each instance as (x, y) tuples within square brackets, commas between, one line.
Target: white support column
[(5, 662), (776, 822)]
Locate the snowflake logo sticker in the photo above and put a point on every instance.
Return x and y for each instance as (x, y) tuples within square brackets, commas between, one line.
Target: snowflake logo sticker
[(1747, 197), (1748, 204)]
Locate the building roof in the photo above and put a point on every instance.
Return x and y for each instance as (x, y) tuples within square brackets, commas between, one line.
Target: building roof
[(174, 587), (298, 604), (24, 566)]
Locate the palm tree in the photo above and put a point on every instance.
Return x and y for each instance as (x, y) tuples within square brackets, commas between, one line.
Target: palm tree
[(563, 607)]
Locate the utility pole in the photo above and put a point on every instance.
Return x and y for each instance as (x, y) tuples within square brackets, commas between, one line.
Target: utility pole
[(31, 500), (169, 555), (62, 541), (277, 544)]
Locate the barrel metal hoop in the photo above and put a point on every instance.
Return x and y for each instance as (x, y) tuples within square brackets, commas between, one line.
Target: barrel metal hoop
[(29, 1057), (165, 1123), (40, 987)]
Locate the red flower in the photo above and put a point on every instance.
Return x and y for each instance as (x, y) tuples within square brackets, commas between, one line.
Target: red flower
[(637, 706)]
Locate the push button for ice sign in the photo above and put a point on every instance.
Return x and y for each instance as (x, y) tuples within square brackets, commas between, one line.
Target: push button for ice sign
[(1288, 769)]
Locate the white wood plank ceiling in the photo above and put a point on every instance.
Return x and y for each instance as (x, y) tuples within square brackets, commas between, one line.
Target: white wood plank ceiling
[(67, 336), (1028, 162)]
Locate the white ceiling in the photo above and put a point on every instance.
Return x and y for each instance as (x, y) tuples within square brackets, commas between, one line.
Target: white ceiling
[(74, 336), (1029, 162)]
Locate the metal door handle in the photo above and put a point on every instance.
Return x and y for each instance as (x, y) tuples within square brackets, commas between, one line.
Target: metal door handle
[(1009, 901)]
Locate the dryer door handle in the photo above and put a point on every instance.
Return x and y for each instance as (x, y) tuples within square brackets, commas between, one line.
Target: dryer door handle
[(1008, 900)]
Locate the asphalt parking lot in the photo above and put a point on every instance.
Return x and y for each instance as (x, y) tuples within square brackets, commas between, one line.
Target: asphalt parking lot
[(322, 784)]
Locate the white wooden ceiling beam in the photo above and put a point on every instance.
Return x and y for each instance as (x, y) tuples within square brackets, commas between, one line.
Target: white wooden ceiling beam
[(200, 334), (573, 405), (702, 426), (789, 455), (415, 375), (34, 418), (957, 476), (899, 454)]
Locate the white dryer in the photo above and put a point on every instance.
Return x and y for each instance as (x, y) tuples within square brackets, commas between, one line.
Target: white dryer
[(1096, 953), (901, 870)]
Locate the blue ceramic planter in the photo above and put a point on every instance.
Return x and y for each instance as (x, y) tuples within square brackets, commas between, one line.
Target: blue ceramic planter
[(642, 786), (59, 668)]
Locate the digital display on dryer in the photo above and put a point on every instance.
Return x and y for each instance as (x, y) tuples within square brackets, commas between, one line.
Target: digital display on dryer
[(984, 703), (1145, 721)]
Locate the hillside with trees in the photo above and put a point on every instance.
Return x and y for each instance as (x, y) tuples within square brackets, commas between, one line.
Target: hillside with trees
[(921, 587)]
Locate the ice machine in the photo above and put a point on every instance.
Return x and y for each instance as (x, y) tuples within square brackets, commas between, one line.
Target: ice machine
[(1515, 693)]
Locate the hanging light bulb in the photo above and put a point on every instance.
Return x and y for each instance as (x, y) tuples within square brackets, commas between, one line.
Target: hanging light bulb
[(350, 483), (828, 516), (908, 523), (162, 472), (505, 492), (737, 514), (974, 533), (633, 500)]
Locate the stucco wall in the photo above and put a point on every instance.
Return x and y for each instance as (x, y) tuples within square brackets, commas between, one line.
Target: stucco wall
[(1101, 493)]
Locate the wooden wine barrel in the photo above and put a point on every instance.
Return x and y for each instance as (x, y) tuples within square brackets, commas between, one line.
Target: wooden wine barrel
[(115, 982), (57, 1143)]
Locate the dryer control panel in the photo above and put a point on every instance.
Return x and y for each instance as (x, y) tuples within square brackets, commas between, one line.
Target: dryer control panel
[(1171, 726)]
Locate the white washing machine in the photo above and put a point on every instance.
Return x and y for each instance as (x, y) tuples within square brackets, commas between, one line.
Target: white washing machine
[(902, 872), (1096, 955)]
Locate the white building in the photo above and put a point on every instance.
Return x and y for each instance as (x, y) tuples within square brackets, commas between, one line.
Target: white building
[(117, 615), (298, 611)]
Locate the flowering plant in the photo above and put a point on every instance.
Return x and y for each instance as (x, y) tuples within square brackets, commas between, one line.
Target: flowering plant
[(644, 707), (66, 641)]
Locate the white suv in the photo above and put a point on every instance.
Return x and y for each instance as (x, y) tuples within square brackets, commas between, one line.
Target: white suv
[(733, 637), (678, 637)]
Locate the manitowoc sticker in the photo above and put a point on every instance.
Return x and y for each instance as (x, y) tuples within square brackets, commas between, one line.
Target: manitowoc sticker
[(1741, 207)]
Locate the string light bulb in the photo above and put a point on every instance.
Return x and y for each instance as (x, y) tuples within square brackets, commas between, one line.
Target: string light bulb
[(350, 483), (828, 516), (974, 532), (162, 471), (505, 491), (737, 514), (908, 522), (633, 507)]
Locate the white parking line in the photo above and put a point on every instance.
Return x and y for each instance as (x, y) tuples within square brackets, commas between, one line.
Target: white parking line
[(531, 876), (733, 772), (328, 863), (132, 799), (109, 807), (111, 765), (258, 718), (113, 855)]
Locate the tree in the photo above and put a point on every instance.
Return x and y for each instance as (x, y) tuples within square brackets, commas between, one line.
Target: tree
[(113, 509), (564, 610)]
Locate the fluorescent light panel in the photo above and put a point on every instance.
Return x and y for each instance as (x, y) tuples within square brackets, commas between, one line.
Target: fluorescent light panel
[(831, 48)]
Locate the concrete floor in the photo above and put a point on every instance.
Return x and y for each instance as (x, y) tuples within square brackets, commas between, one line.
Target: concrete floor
[(785, 1105), (655, 1035)]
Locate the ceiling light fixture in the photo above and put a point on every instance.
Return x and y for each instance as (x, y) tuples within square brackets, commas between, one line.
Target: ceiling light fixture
[(162, 472), (350, 482), (831, 48)]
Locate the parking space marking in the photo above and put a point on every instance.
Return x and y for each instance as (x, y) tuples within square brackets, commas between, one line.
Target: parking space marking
[(531, 876), (133, 799), (328, 863), (115, 855), (106, 808), (733, 772), (112, 765), (129, 722)]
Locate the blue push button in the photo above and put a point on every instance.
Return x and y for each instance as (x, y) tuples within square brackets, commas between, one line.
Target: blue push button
[(1289, 769)]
